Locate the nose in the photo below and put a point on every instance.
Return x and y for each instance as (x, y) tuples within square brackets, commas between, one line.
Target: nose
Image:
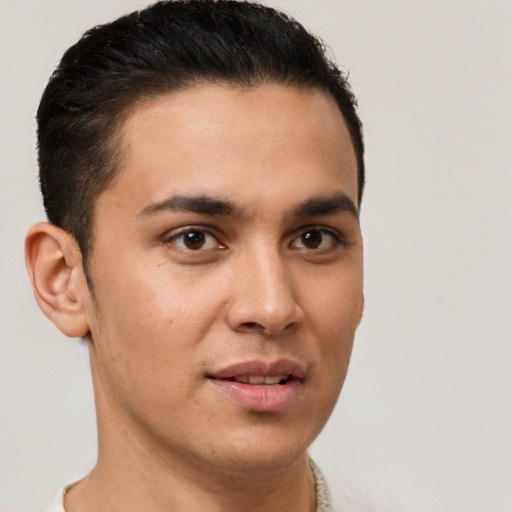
[(263, 296)]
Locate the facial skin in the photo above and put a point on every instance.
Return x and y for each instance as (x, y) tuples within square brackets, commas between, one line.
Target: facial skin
[(229, 236)]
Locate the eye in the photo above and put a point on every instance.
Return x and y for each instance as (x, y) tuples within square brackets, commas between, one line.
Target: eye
[(316, 239), (194, 239)]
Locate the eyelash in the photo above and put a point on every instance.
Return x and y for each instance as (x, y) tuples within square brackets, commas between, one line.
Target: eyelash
[(173, 237), (336, 236)]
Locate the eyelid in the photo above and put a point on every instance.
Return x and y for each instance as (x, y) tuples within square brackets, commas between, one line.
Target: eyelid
[(174, 234), (335, 234)]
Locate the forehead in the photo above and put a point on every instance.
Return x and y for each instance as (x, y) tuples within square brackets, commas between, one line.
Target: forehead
[(245, 141)]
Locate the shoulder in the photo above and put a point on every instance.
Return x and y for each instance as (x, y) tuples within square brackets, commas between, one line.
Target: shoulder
[(58, 502)]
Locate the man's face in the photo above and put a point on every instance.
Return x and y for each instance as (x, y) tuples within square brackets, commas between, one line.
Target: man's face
[(227, 273)]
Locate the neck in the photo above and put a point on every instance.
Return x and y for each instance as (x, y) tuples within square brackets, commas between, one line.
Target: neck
[(129, 486)]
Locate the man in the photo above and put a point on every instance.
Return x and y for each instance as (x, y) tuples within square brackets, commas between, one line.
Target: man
[(202, 169)]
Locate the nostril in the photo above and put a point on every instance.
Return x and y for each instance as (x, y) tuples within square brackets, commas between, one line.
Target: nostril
[(257, 327), (252, 325)]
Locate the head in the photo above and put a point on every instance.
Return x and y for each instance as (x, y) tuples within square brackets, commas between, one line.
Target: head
[(170, 46), (202, 168)]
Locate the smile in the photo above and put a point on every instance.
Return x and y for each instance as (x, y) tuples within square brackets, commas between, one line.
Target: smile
[(260, 387)]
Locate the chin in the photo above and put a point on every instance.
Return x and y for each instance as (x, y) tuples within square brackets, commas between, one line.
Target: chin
[(264, 462), (264, 450)]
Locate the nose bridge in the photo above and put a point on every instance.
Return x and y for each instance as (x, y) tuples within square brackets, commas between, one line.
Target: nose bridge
[(263, 293)]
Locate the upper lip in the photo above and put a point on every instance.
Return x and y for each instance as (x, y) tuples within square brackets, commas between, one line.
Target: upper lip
[(261, 368)]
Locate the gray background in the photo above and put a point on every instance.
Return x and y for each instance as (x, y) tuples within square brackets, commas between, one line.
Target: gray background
[(426, 412)]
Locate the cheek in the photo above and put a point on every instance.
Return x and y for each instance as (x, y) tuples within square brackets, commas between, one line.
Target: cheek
[(155, 313), (333, 314), (145, 343), (335, 303)]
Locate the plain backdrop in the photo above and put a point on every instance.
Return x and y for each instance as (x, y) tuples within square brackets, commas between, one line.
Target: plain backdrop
[(426, 412)]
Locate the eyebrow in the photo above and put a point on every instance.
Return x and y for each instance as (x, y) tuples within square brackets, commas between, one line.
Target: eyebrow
[(205, 205), (326, 205)]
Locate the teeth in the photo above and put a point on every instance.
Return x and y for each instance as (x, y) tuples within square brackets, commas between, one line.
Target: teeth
[(275, 379), (258, 380)]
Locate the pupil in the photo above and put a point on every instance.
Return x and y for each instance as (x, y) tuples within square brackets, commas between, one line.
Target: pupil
[(312, 239), (194, 239)]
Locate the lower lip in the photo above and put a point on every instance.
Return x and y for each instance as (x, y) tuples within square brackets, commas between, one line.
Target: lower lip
[(265, 398)]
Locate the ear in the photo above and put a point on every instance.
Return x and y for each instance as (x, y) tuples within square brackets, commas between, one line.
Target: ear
[(54, 265)]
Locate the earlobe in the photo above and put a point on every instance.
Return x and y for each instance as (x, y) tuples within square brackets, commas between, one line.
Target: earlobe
[(54, 265)]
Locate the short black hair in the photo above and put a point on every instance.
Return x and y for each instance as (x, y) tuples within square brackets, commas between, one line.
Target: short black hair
[(168, 46)]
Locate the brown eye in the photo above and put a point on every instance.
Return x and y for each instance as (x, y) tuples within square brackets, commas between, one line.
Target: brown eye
[(194, 240), (311, 239), (317, 239)]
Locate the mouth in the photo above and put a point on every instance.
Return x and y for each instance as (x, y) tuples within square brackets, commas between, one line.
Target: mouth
[(259, 386), (261, 380)]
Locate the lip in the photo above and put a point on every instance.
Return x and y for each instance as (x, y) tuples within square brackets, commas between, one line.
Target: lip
[(266, 369), (260, 397)]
